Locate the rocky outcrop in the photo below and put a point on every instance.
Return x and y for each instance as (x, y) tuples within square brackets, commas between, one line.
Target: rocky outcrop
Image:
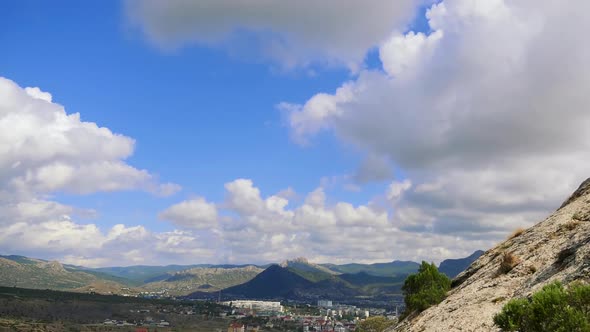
[(52, 266), (556, 249), (583, 190)]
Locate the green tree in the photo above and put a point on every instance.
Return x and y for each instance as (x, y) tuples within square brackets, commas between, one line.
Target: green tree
[(425, 288), (374, 324), (553, 308)]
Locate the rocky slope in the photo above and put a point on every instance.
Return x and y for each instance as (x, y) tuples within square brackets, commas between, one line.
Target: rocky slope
[(35, 273), (557, 248), (203, 279)]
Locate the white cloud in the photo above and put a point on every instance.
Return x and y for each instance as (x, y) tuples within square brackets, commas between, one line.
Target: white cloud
[(486, 115), (36, 93), (87, 245), (195, 213), (316, 114), (44, 150), (322, 231), (402, 54), (292, 33), (243, 197), (54, 236), (396, 189)]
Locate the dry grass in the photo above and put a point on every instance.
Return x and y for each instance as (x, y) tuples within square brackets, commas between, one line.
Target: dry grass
[(518, 232), (532, 269), (509, 261), (582, 215), (569, 226)]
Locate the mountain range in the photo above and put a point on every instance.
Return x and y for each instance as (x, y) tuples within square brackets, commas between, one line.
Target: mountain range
[(294, 279), (20, 271), (301, 280)]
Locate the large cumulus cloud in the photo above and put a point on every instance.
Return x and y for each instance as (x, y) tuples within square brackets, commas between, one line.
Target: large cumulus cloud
[(44, 151), (487, 114), (292, 33)]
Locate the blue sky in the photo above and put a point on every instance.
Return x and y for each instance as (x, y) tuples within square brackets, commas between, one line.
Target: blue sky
[(200, 117), (365, 110)]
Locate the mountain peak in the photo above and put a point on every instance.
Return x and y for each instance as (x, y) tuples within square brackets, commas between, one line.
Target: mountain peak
[(452, 267), (301, 260), (274, 282), (54, 266), (582, 190)]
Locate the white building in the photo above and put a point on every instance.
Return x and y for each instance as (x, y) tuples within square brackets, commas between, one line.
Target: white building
[(324, 303), (256, 305)]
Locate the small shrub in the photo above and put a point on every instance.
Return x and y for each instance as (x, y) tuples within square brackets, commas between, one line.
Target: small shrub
[(518, 232), (512, 316), (583, 214), (374, 324), (551, 309), (509, 261)]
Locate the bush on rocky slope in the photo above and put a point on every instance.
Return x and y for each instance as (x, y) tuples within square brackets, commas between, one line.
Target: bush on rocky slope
[(552, 309), (374, 324)]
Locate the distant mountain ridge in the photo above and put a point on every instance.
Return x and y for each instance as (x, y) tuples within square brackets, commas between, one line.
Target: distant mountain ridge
[(301, 278), (452, 267), (274, 282), (377, 269), (204, 279), (144, 273), (36, 273)]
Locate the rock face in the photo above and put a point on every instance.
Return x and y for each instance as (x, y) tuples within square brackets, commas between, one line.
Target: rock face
[(209, 279), (556, 249), (39, 274)]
